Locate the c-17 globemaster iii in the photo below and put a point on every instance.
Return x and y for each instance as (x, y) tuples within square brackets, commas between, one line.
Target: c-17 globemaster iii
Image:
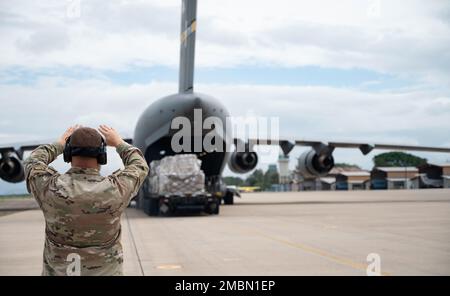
[(154, 133)]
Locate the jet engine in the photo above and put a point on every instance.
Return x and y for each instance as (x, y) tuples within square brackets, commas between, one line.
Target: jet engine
[(242, 162), (11, 170), (311, 164)]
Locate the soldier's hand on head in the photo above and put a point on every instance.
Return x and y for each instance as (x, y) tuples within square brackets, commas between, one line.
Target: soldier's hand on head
[(112, 137), (67, 134)]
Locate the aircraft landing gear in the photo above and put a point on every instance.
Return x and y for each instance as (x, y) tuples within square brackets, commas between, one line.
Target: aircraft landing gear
[(228, 199)]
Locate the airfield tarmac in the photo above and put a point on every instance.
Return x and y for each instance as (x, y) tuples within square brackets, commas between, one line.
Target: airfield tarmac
[(295, 233)]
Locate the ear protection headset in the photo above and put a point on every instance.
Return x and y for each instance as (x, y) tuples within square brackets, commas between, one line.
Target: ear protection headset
[(96, 152)]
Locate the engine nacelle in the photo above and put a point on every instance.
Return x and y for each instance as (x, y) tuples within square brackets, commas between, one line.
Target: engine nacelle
[(311, 165), (243, 162), (11, 170)]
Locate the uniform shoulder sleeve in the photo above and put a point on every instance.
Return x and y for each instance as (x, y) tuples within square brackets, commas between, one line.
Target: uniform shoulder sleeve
[(130, 179), (37, 169)]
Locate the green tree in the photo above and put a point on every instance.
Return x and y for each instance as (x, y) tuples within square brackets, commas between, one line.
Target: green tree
[(346, 165), (402, 159), (271, 177), (263, 179), (255, 179), (236, 181)]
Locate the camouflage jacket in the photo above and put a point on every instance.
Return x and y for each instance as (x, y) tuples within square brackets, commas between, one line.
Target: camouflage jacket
[(82, 210)]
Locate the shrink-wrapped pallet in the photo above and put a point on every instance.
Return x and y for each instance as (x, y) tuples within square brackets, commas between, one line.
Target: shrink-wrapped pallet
[(177, 175)]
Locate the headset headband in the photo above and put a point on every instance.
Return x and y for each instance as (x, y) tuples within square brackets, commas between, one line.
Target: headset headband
[(95, 152), (86, 151)]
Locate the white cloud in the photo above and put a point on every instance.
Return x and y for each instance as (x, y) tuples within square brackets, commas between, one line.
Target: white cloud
[(306, 111), (44, 110), (405, 38)]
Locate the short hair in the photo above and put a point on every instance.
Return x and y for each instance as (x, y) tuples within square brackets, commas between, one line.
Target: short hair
[(85, 137)]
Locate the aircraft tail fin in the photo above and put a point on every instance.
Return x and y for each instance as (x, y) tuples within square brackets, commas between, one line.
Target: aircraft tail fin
[(187, 45)]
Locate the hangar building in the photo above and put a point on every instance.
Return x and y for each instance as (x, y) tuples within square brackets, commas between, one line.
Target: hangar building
[(394, 178), (357, 180)]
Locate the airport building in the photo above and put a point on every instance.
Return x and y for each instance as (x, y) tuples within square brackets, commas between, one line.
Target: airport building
[(353, 180), (308, 184), (434, 175), (321, 183), (394, 178), (284, 174), (327, 183), (446, 181)]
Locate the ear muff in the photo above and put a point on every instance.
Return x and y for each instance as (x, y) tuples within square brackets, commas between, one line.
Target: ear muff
[(67, 152), (101, 157), (98, 152)]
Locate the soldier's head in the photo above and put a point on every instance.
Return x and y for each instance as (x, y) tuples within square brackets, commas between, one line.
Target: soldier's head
[(85, 137)]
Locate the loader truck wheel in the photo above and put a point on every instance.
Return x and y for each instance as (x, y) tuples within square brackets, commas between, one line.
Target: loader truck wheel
[(217, 210), (228, 199), (165, 209), (153, 206), (213, 208)]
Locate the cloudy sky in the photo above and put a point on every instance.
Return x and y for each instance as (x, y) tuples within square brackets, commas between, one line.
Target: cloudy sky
[(363, 70)]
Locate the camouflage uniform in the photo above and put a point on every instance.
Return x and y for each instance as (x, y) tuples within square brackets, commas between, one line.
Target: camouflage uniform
[(82, 209)]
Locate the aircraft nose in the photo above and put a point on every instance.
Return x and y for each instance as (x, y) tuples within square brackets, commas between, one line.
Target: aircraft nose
[(197, 102)]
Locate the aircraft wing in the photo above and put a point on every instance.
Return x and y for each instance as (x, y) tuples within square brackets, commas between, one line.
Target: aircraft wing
[(20, 147), (314, 163), (11, 156), (287, 145)]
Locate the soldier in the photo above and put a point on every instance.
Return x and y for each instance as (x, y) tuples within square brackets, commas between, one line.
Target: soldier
[(82, 209)]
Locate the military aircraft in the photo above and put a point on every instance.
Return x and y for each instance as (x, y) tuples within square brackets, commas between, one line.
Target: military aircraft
[(154, 132)]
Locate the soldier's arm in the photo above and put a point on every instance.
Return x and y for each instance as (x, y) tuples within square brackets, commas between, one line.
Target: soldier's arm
[(36, 166), (37, 170), (130, 179)]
